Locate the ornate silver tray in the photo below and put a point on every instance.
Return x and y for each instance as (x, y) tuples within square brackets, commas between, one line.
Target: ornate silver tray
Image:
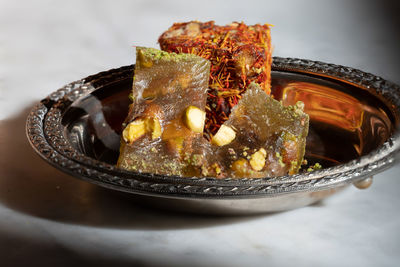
[(354, 134)]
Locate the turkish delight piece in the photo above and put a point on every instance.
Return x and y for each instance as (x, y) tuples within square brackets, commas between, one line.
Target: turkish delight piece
[(262, 138), (163, 132), (239, 54)]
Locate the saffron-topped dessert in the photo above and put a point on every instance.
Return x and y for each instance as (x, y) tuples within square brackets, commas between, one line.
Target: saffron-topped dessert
[(239, 54)]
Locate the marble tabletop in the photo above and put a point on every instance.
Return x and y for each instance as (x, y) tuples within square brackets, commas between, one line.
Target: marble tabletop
[(48, 218)]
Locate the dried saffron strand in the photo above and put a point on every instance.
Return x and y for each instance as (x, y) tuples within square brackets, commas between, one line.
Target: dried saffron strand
[(239, 55)]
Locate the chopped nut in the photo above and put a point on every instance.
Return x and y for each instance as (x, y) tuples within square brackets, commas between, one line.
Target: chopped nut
[(194, 119), (134, 130), (257, 160), (315, 167), (144, 61), (241, 167), (217, 168), (153, 125), (224, 136), (197, 160), (141, 126), (280, 161)]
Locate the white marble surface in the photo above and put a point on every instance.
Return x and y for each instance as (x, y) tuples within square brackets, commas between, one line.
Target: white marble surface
[(51, 219)]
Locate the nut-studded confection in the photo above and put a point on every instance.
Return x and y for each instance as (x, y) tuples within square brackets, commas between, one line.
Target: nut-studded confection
[(163, 131), (270, 138)]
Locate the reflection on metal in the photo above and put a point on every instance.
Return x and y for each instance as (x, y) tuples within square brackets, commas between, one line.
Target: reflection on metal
[(325, 104), (356, 124)]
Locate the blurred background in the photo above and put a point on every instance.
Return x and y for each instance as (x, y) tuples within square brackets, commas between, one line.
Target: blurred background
[(51, 219)]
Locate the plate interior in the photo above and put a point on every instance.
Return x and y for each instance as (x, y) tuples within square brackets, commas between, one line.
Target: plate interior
[(345, 121)]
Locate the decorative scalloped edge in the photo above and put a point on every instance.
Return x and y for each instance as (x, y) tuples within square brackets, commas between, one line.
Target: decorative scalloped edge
[(46, 135)]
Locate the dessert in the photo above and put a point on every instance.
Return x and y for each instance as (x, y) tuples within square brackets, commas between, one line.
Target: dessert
[(270, 138), (239, 54), (202, 107), (163, 130)]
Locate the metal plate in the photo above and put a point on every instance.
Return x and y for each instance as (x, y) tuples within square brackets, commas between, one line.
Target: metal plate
[(354, 133)]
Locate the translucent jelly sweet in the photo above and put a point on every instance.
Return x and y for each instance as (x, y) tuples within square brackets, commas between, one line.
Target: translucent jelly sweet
[(269, 138), (163, 130)]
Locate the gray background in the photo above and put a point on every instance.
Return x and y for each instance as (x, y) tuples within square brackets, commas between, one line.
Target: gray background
[(49, 218)]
